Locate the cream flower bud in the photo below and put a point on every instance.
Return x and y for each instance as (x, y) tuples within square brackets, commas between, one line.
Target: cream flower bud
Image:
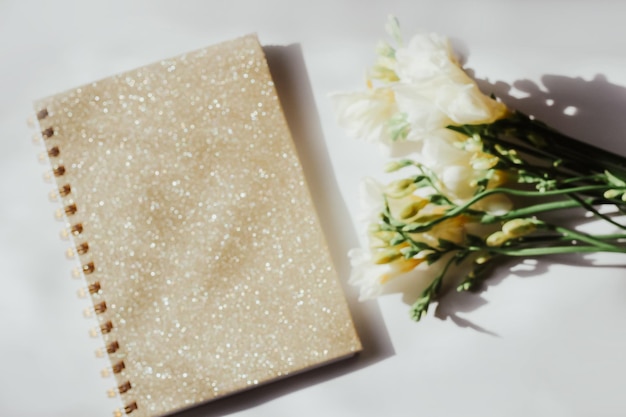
[(612, 193), (497, 239), (396, 165), (423, 254), (457, 179), (483, 161), (519, 227)]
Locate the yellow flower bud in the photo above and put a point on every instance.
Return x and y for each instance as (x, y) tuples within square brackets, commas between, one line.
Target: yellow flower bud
[(519, 227), (497, 239), (386, 256), (498, 177), (400, 188), (481, 260), (385, 235), (376, 243), (382, 71), (400, 267), (412, 209)]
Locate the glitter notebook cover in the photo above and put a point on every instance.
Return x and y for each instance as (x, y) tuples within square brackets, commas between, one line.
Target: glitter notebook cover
[(198, 238)]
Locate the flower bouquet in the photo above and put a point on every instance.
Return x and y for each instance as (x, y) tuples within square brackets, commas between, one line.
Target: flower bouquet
[(475, 181)]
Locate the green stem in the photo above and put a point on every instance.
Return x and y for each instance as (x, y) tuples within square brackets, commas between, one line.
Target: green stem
[(551, 168), (535, 209), (580, 154), (420, 307), (573, 234), (587, 205), (611, 236), (552, 250), (414, 228), (591, 178), (554, 238), (430, 175), (522, 193), (470, 130)]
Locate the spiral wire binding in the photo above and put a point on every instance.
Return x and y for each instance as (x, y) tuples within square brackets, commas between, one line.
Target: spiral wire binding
[(94, 288)]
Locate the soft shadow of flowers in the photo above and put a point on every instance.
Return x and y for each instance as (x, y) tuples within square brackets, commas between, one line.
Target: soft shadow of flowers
[(591, 111)]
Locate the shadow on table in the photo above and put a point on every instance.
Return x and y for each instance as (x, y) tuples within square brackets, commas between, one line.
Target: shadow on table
[(591, 111), (294, 89)]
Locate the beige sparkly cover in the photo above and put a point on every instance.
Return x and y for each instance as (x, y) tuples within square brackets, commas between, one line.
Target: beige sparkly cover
[(202, 239)]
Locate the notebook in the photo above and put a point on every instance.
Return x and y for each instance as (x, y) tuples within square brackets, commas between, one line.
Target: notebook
[(198, 239)]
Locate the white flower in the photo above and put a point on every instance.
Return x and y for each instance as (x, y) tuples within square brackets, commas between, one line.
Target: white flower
[(420, 91), (423, 90), (371, 199), (381, 262), (458, 180), (364, 273), (371, 277), (433, 87), (367, 272), (365, 115), (441, 150), (451, 163)]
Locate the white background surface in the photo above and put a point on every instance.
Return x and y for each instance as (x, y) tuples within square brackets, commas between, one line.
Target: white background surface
[(545, 342)]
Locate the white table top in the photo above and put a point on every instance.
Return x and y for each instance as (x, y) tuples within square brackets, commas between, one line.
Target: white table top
[(543, 339)]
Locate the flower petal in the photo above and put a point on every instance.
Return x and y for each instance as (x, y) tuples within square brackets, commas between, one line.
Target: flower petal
[(365, 115)]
